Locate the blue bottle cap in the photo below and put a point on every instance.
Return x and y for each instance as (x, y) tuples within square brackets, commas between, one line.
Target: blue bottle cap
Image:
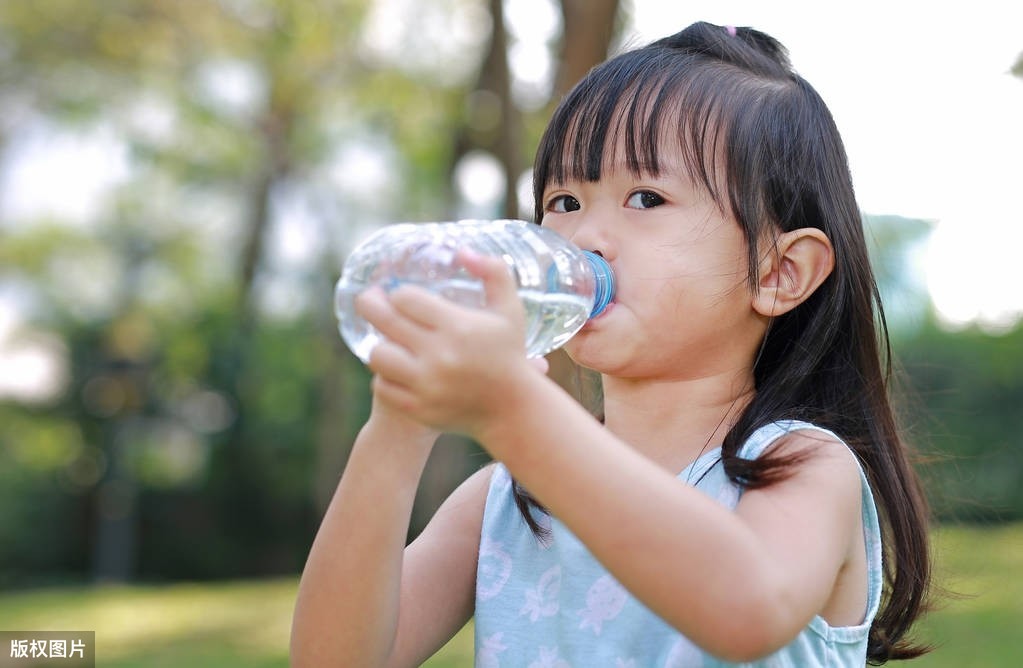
[(604, 282)]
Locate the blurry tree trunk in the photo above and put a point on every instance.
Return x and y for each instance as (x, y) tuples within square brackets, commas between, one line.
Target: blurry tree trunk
[(275, 131), (115, 499), (115, 512), (589, 26), (508, 142), (492, 122)]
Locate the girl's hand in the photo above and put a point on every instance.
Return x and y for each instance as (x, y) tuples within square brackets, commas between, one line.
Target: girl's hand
[(445, 365)]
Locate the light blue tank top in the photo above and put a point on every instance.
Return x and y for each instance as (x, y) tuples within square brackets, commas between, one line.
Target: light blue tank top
[(550, 604)]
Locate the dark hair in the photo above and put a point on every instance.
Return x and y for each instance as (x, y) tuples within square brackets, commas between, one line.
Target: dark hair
[(737, 109)]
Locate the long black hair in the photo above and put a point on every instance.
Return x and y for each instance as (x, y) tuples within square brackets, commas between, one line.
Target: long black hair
[(733, 103)]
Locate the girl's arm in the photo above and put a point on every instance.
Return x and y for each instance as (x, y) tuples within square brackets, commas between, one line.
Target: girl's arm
[(739, 584), (366, 600)]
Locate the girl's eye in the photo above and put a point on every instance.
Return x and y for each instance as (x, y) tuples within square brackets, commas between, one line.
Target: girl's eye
[(563, 204), (644, 199)]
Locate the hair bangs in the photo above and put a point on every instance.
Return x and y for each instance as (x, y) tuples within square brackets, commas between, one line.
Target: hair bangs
[(624, 119)]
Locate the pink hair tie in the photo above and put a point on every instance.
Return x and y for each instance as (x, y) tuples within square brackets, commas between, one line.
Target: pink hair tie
[(730, 30)]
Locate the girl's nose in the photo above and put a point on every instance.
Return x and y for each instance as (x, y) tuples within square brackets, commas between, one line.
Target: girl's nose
[(593, 235)]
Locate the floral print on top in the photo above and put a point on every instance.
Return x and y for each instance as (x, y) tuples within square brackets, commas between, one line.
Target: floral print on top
[(551, 604)]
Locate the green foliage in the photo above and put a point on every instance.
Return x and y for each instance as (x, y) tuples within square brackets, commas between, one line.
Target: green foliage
[(965, 390), (977, 622), (38, 485)]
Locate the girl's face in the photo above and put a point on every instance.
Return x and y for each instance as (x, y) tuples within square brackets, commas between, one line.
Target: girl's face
[(683, 308)]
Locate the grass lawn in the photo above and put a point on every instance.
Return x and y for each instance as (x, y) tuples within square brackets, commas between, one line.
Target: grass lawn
[(246, 624), (981, 623), (194, 625)]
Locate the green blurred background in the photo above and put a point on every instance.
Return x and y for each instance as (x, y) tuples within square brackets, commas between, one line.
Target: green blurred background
[(175, 404)]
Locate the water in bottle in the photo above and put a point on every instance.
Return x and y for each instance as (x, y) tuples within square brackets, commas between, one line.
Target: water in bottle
[(561, 286)]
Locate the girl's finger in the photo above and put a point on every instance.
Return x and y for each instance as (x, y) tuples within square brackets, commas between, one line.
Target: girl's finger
[(427, 309), (393, 394), (376, 307), (394, 363), (498, 282)]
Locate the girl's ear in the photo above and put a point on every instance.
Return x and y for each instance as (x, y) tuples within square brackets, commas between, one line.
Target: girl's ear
[(795, 267)]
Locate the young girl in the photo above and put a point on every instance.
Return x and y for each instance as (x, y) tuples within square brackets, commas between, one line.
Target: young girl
[(734, 503)]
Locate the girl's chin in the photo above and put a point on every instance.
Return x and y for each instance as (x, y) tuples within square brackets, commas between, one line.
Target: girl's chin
[(583, 350)]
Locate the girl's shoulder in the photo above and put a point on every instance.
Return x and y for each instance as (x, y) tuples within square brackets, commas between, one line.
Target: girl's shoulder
[(809, 448), (791, 436)]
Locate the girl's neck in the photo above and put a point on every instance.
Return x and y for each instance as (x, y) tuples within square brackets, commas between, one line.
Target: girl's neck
[(674, 422)]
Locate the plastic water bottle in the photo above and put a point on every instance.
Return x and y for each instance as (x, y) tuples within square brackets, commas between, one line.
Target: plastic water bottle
[(560, 285)]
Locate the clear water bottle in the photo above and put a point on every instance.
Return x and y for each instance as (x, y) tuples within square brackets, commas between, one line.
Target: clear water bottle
[(560, 285)]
